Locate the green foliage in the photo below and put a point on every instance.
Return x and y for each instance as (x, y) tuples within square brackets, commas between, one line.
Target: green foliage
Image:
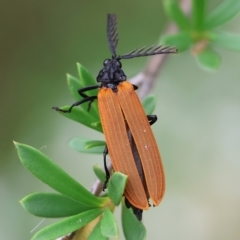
[(132, 228), (97, 233), (209, 59), (149, 104), (51, 174), (224, 12), (199, 32), (226, 40), (87, 146), (81, 114), (116, 187), (198, 14), (176, 14), (181, 40), (67, 225), (52, 205), (73, 199), (101, 175), (109, 225)]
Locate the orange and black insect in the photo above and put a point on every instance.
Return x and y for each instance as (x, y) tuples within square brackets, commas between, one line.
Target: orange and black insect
[(129, 138)]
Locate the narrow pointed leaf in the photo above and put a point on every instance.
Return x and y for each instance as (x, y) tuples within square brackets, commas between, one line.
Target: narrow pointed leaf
[(222, 13), (50, 173), (67, 225), (149, 104), (94, 143), (101, 175), (96, 234), (52, 205), (81, 116), (86, 78), (74, 85), (226, 40), (182, 40), (79, 144), (116, 187), (198, 14), (176, 14), (132, 228), (209, 59), (109, 225)]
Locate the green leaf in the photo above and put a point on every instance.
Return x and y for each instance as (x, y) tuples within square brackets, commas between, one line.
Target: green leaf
[(222, 13), (149, 104), (132, 228), (52, 205), (116, 187), (96, 234), (48, 172), (209, 59), (182, 40), (74, 85), (176, 14), (109, 225), (101, 175), (86, 78), (226, 40), (94, 143), (67, 225), (198, 14), (81, 116), (83, 145)]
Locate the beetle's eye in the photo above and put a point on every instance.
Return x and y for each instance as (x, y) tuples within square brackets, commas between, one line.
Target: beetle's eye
[(106, 62), (119, 64)]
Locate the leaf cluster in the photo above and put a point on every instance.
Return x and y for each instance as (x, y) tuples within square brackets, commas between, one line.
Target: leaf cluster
[(72, 201), (200, 31)]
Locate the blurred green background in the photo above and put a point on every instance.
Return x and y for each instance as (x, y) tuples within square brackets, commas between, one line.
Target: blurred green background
[(198, 130)]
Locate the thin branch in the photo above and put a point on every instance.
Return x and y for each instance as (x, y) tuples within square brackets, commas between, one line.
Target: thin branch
[(147, 77)]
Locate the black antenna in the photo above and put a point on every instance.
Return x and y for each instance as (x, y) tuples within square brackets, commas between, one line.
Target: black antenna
[(148, 52), (112, 34)]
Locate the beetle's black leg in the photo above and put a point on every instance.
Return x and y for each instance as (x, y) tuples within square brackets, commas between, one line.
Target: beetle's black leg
[(90, 104), (88, 99), (152, 119), (85, 89), (135, 87), (82, 90), (105, 152)]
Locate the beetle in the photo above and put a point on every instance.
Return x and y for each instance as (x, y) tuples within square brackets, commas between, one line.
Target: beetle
[(129, 139)]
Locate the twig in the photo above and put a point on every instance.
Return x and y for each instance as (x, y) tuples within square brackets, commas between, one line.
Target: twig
[(146, 79)]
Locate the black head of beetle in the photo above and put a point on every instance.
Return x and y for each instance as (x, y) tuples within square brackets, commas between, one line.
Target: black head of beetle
[(112, 72)]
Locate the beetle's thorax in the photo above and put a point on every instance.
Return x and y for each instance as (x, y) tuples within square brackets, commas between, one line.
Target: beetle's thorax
[(111, 73)]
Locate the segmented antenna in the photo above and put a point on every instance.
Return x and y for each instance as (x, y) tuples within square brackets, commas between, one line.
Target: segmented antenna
[(112, 34), (148, 52)]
